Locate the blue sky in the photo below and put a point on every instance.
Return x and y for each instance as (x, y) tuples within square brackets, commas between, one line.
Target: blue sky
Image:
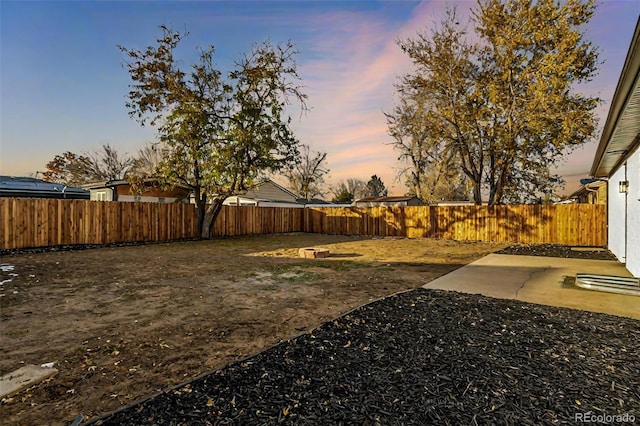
[(63, 86)]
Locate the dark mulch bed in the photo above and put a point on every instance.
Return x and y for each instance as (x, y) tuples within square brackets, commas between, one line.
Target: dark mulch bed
[(556, 250), (422, 357)]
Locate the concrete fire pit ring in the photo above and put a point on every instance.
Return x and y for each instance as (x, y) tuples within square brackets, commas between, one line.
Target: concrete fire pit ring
[(313, 252)]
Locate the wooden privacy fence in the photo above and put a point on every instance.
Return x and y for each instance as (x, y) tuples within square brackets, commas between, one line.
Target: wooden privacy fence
[(250, 220), (43, 222), (26, 222), (570, 224)]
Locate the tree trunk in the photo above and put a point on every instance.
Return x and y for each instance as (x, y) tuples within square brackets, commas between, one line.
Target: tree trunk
[(477, 193), (200, 216), (210, 217), (500, 185)]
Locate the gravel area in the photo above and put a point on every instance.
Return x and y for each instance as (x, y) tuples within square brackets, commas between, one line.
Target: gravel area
[(556, 250), (422, 357)]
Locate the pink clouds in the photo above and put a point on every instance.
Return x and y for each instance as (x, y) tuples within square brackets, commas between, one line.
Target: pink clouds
[(349, 62), (352, 85)]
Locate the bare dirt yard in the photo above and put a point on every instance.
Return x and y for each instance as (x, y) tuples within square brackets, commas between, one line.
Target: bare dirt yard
[(122, 323)]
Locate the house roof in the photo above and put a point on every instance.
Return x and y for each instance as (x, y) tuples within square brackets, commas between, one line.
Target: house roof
[(118, 182), (313, 201), (621, 132), (12, 186), (386, 199), (105, 184), (268, 190), (591, 184)]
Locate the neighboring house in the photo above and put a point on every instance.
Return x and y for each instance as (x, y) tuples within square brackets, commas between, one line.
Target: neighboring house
[(26, 187), (266, 194), (389, 201), (121, 190), (617, 160), (592, 191)]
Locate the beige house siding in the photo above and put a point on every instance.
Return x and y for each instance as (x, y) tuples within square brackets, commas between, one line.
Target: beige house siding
[(266, 194)]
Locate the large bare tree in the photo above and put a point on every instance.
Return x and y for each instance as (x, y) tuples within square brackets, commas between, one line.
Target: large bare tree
[(77, 169), (109, 164), (147, 163), (429, 168), (306, 176), (346, 191)]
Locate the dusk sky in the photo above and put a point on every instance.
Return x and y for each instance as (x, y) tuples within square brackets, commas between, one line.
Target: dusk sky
[(63, 87)]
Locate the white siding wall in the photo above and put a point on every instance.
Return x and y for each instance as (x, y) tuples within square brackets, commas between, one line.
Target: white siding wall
[(616, 211), (102, 194), (633, 214), (617, 220)]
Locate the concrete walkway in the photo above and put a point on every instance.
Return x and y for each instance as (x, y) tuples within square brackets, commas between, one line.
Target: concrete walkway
[(543, 280)]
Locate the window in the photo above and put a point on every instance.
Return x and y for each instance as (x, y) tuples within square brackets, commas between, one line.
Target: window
[(161, 199), (101, 196)]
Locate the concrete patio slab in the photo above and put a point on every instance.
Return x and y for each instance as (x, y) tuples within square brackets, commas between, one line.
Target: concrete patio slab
[(23, 378), (543, 280)]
